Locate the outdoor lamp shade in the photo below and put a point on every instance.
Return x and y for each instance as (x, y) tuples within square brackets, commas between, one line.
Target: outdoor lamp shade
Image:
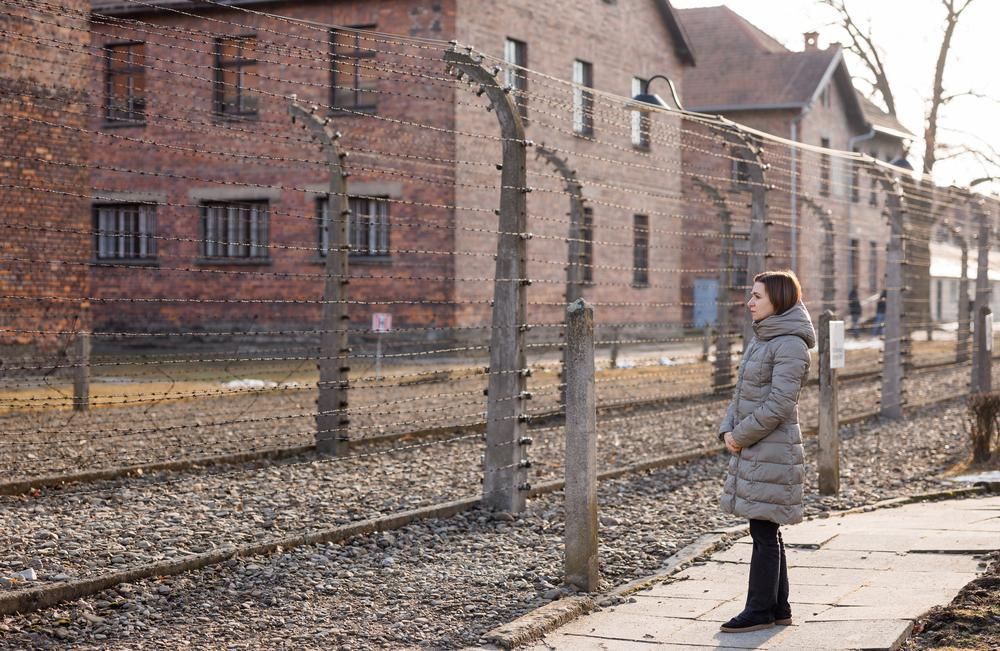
[(651, 99)]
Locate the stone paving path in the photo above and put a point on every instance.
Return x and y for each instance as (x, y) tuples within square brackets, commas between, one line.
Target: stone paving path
[(858, 581)]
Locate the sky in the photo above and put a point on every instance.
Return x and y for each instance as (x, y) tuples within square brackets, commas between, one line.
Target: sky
[(909, 34)]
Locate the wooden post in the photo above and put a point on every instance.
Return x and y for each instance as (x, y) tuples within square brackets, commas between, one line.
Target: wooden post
[(982, 297), (892, 356), (332, 434), (831, 332), (983, 380), (505, 485), (581, 450)]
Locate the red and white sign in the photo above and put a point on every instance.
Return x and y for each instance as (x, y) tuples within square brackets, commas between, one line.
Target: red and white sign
[(381, 322)]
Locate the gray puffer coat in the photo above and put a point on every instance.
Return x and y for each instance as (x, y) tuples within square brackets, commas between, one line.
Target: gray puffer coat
[(765, 479)]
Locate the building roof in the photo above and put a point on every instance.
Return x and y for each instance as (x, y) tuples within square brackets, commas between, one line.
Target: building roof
[(742, 68), (883, 121), (682, 42)]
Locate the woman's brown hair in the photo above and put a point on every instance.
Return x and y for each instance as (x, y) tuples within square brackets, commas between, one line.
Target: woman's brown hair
[(783, 288)]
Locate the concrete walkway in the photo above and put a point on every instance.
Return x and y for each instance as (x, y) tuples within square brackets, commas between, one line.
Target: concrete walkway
[(857, 582)]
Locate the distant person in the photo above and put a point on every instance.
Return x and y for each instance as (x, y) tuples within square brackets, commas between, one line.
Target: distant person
[(854, 307), (766, 472), (879, 315)]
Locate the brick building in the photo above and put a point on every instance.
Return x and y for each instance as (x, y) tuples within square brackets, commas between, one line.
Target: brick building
[(44, 244), (817, 202), (206, 192)]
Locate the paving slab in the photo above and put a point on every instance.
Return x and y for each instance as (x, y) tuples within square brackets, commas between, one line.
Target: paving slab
[(867, 577), (859, 634)]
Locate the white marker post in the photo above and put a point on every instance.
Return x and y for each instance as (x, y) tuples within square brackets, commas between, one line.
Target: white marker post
[(381, 322)]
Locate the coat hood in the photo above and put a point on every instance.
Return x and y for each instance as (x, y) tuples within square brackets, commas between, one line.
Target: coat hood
[(794, 321)]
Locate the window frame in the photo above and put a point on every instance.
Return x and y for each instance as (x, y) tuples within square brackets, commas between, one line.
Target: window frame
[(355, 59), (583, 99), (256, 243), (134, 245), (134, 115), (244, 92)]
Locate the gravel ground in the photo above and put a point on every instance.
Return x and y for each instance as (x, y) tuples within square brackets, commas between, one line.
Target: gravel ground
[(51, 441), (434, 584)]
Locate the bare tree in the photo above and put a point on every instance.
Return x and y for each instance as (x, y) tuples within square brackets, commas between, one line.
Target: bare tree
[(863, 45)]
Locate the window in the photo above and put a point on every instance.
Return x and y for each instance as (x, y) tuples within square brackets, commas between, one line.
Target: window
[(125, 232), (855, 179), (741, 260), (367, 228), (235, 229), (235, 65), (587, 248), (352, 80), (640, 119), (872, 267), (824, 97), (516, 54), (824, 168), (640, 250), (854, 263), (125, 82), (740, 172), (583, 100)]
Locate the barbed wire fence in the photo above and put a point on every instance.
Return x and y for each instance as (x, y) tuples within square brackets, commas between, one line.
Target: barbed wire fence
[(364, 244)]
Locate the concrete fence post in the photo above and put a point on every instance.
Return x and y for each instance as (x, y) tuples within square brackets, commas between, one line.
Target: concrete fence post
[(581, 450), (749, 149), (964, 314), (505, 485), (574, 266), (81, 363), (892, 356), (332, 422), (722, 380), (831, 357), (981, 379)]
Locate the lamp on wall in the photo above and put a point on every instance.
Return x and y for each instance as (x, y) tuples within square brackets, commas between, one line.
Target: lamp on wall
[(655, 100)]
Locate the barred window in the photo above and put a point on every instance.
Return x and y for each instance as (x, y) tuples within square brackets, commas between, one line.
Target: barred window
[(824, 168), (352, 78), (125, 82), (235, 68), (125, 232), (587, 253), (235, 229), (640, 250), (367, 227), (740, 174), (583, 99)]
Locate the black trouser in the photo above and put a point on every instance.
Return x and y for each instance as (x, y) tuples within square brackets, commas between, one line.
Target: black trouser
[(767, 595)]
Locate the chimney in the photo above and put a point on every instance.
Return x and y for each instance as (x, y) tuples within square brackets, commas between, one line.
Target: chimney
[(811, 40)]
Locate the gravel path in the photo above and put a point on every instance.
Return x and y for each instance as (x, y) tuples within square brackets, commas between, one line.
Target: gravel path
[(439, 583)]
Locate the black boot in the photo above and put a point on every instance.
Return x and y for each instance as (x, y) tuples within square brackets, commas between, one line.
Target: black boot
[(782, 610), (765, 575)]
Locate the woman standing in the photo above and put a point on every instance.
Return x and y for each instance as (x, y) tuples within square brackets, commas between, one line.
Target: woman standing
[(761, 430)]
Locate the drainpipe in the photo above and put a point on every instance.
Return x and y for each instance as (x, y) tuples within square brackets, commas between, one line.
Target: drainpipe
[(793, 126)]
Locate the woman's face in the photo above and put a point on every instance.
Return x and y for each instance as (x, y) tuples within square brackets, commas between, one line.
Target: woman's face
[(759, 303)]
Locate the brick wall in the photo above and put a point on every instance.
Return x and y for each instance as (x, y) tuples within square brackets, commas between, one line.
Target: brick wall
[(42, 93)]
